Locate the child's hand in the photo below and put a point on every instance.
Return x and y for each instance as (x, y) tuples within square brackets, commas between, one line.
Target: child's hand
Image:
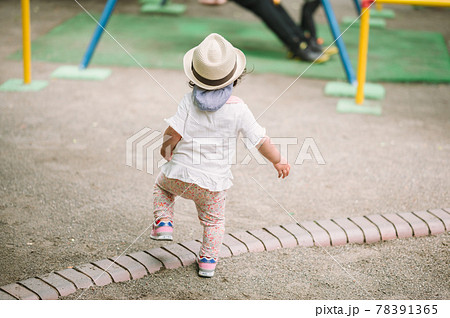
[(171, 139), (282, 168)]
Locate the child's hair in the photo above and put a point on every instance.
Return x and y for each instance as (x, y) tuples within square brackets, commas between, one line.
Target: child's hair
[(236, 81)]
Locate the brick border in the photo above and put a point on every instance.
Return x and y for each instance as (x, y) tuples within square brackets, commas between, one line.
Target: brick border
[(334, 232)]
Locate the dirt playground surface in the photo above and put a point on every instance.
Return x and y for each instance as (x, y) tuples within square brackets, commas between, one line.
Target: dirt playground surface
[(67, 197)]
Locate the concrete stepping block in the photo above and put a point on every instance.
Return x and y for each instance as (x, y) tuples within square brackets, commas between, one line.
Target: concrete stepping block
[(169, 8), (251, 242), (136, 269), (443, 216), (150, 263), (193, 246), (320, 236), (371, 232), (270, 242), (344, 89), (117, 273), (184, 255), (403, 229), (98, 276), (169, 261), (6, 296), (62, 285), (420, 228), (349, 106), (435, 225), (387, 230), (287, 239), (42, 289), (19, 292), (303, 237), (75, 73), (337, 234), (17, 85), (354, 233), (80, 280), (236, 247)]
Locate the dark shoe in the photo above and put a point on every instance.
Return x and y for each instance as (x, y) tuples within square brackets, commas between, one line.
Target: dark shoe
[(306, 53), (316, 46)]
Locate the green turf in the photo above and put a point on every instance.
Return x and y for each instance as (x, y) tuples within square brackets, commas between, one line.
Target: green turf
[(348, 106), (344, 89), (74, 72), (17, 85), (161, 41)]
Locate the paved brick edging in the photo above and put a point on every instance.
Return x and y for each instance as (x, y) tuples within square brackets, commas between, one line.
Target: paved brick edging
[(334, 232)]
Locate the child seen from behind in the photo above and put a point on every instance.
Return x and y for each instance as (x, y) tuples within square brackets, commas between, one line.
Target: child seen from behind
[(197, 148)]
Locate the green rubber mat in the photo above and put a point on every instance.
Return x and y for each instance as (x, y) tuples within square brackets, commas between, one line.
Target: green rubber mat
[(160, 42)]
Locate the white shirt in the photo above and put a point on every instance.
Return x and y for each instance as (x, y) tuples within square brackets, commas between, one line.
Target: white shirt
[(204, 154)]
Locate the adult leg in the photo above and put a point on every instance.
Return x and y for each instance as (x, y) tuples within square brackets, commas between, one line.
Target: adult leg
[(307, 24), (279, 21), (276, 19), (307, 21)]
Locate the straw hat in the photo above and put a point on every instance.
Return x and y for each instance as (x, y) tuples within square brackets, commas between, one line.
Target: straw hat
[(214, 63)]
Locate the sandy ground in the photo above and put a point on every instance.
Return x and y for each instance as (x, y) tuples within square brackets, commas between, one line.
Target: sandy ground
[(67, 197)]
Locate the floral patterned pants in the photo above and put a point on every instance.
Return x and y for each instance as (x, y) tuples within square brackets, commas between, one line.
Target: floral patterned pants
[(210, 207)]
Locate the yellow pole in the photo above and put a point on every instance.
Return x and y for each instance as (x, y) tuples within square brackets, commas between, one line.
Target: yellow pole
[(379, 6), (26, 41), (426, 3), (362, 55)]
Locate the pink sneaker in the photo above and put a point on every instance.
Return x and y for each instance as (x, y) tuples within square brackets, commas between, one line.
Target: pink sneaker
[(162, 231), (206, 266)]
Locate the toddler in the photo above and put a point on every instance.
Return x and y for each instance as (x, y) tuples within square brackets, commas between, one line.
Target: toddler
[(198, 148)]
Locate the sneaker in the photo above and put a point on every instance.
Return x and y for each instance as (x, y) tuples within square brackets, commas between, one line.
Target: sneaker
[(316, 46), (206, 266), (306, 53), (162, 231)]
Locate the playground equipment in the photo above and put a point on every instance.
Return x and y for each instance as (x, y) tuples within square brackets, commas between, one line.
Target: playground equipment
[(358, 105), (339, 42), (155, 6), (373, 91), (378, 13), (26, 42), (82, 71), (107, 11), (26, 84)]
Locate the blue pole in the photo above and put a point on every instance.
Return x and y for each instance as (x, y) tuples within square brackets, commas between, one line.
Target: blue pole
[(357, 6), (339, 42), (107, 11)]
